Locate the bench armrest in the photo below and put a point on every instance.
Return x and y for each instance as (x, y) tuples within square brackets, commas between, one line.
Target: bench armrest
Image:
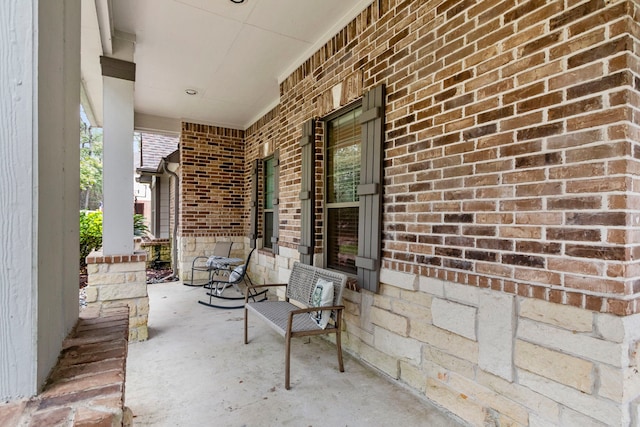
[(310, 309), (337, 308)]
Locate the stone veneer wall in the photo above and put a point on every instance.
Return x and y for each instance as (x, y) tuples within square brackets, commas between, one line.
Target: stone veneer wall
[(509, 283), (114, 280)]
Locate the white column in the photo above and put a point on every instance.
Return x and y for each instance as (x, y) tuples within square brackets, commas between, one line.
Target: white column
[(39, 170), (118, 86)]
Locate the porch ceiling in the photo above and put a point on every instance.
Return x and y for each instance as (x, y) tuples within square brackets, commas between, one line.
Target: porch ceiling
[(233, 55)]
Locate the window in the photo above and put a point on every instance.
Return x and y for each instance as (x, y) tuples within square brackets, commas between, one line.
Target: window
[(342, 175), (267, 203), (353, 186)]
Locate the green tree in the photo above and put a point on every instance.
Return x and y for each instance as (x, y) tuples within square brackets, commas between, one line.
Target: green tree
[(90, 166)]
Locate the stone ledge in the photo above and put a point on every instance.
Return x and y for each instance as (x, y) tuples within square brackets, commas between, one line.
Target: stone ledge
[(86, 387), (98, 258)]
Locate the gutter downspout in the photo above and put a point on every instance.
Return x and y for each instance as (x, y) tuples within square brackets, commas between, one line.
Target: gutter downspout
[(176, 212)]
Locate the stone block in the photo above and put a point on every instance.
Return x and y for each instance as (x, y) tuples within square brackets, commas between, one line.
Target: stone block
[(137, 321), (602, 410), (382, 302), (556, 366), (457, 318), (609, 327), (616, 328), (136, 277), (389, 291), (415, 313), (92, 268), (455, 401), (356, 337), (390, 321), (417, 297), (382, 361), (448, 361), (583, 346), (537, 421), (431, 286), (496, 331), (397, 346), (142, 305), (413, 376), (355, 333), (126, 267), (399, 279), (106, 279), (564, 316), (142, 333), (462, 293), (619, 385), (446, 341), (122, 291), (490, 399), (573, 418), (536, 402), (91, 293)]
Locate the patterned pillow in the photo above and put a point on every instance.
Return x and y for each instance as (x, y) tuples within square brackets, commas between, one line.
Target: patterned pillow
[(236, 273), (322, 296)]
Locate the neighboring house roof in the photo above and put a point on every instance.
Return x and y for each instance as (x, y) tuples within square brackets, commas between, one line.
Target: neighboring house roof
[(153, 149)]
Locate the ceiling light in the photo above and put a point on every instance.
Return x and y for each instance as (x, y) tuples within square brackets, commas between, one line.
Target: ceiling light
[(237, 1), (191, 92)]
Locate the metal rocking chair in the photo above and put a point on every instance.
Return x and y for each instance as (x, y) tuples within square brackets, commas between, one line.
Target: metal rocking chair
[(221, 249), (239, 274)]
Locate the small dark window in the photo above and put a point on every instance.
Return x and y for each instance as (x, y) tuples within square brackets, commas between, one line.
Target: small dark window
[(269, 194)]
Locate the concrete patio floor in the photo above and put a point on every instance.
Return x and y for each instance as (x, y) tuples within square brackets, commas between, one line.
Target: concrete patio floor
[(195, 371)]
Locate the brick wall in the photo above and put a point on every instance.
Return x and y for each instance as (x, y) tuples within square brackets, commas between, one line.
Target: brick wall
[(212, 181), (510, 143)]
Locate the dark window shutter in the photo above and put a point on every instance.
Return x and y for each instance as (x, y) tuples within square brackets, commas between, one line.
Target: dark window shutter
[(253, 213), (276, 202), (370, 189), (307, 193)]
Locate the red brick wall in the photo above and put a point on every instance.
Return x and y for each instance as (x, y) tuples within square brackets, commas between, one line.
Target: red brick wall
[(511, 142), (212, 181)]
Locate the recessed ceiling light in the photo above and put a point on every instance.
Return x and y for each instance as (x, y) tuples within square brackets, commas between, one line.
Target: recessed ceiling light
[(237, 1), (191, 92)]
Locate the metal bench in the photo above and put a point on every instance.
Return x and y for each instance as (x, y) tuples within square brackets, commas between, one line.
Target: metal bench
[(291, 320)]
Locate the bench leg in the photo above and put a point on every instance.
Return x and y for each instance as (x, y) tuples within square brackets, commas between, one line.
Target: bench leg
[(339, 345), (287, 361), (246, 321)]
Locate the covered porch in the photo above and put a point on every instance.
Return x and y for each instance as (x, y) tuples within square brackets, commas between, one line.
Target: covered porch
[(196, 370), (484, 199)]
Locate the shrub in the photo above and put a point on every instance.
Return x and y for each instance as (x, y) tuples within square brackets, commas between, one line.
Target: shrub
[(90, 234), (139, 227)]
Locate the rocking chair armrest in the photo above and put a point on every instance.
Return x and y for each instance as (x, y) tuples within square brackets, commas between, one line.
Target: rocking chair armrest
[(193, 263), (266, 285)]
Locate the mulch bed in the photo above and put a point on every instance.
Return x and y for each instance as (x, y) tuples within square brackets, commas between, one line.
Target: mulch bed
[(158, 275)]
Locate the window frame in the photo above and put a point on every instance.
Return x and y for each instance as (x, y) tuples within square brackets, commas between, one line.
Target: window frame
[(326, 206)]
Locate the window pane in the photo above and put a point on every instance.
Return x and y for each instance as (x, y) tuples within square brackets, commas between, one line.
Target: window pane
[(268, 183), (268, 230), (343, 158), (342, 240)]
